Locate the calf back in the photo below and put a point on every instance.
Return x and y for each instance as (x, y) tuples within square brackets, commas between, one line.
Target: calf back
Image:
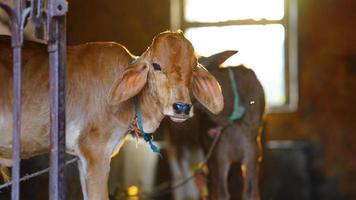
[(91, 70)]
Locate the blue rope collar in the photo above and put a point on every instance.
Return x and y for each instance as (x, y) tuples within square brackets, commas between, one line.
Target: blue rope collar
[(137, 123), (238, 110)]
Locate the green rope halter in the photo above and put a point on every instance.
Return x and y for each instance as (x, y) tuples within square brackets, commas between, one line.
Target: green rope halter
[(238, 110)]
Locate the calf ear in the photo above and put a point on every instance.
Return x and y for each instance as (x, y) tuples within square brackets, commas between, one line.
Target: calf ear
[(207, 90), (131, 83), (217, 59)]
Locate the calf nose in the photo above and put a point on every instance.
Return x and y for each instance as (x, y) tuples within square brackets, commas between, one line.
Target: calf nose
[(180, 108)]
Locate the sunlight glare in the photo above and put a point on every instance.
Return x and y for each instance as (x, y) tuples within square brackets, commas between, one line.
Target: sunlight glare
[(223, 10), (261, 47)]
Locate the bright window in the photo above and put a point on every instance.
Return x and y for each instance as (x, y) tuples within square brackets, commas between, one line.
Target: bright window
[(223, 10), (263, 31)]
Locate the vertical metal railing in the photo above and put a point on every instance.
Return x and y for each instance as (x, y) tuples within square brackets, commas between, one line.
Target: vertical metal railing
[(16, 95), (17, 16), (52, 14), (56, 48)]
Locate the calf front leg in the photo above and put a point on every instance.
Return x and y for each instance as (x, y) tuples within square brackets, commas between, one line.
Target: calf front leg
[(180, 171), (190, 188), (219, 166), (94, 164), (178, 193), (250, 172), (94, 176)]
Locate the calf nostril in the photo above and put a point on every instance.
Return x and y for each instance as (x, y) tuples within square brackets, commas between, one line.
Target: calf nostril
[(187, 109), (180, 108)]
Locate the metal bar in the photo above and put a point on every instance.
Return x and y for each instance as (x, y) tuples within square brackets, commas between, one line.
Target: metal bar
[(15, 189), (56, 10), (28, 177), (55, 171), (54, 130), (16, 135), (62, 102), (56, 49)]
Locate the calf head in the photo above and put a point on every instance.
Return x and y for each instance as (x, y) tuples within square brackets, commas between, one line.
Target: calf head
[(169, 69)]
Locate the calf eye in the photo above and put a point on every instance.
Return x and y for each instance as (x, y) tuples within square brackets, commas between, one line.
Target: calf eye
[(156, 66)]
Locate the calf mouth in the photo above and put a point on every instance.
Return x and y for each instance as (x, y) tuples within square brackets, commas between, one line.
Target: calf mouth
[(178, 118)]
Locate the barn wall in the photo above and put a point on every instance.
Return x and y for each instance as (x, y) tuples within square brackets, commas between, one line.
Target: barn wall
[(327, 81), (327, 67), (133, 23)]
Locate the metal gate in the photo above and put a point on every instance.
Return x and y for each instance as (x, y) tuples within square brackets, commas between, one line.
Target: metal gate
[(49, 18)]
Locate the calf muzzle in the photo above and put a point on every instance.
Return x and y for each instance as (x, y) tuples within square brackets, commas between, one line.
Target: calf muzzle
[(181, 108)]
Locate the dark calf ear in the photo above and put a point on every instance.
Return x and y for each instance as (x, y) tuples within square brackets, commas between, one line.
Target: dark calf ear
[(207, 90), (217, 59), (131, 83)]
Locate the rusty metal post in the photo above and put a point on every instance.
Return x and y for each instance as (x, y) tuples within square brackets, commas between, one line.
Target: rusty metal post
[(17, 17), (16, 147), (17, 21), (16, 132), (56, 10), (15, 189)]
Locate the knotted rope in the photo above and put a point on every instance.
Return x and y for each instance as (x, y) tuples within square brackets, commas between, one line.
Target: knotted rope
[(136, 128)]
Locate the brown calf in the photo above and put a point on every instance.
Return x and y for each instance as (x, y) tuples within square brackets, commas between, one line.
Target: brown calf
[(102, 78), (239, 142)]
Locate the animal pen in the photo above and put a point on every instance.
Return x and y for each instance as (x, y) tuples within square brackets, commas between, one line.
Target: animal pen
[(49, 18)]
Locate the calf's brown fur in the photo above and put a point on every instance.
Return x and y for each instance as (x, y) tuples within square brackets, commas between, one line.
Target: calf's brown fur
[(101, 79), (240, 141)]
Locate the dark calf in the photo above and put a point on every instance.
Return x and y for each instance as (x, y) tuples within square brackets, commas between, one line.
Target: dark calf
[(240, 140)]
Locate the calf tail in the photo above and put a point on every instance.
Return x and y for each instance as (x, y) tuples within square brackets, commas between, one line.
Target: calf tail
[(5, 173)]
